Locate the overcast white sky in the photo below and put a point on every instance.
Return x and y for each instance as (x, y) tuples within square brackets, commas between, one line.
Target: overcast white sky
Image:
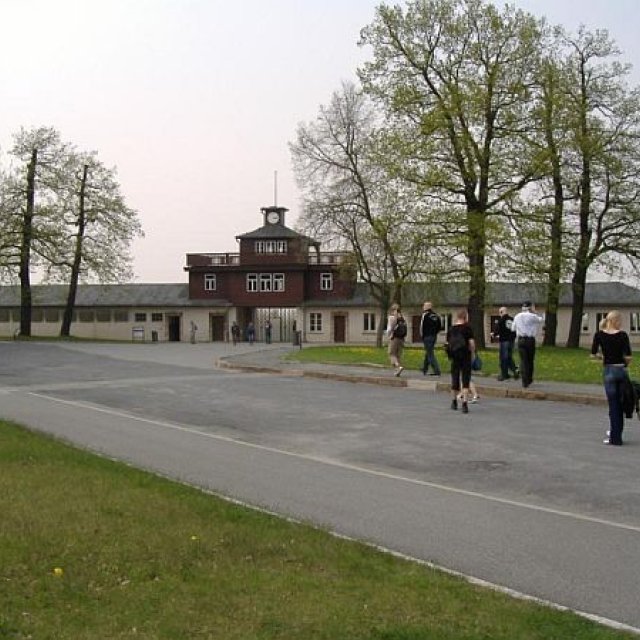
[(195, 101)]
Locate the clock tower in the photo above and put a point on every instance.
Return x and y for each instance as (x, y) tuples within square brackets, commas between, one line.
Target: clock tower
[(274, 215)]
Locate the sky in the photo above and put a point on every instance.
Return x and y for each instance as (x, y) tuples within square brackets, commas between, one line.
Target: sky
[(194, 102)]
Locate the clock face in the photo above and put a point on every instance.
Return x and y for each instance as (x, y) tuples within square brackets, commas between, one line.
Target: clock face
[(273, 217)]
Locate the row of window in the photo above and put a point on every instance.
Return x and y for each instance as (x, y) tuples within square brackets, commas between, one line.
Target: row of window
[(52, 315), (271, 246), (315, 322), (634, 321), (266, 282)]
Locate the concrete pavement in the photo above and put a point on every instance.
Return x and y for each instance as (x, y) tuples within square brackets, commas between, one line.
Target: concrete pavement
[(519, 494), (271, 360)]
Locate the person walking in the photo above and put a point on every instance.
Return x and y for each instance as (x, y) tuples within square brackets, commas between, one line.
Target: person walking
[(267, 331), (461, 348), (193, 328), (526, 325), (611, 344), (430, 326), (396, 333), (506, 338)]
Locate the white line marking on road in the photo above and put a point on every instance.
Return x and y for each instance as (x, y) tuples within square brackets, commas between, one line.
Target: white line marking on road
[(342, 465)]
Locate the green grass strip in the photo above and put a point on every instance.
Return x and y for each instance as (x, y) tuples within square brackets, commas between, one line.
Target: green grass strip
[(91, 548), (557, 364)]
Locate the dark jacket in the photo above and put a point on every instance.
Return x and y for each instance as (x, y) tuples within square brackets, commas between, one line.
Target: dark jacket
[(430, 324), (503, 329)]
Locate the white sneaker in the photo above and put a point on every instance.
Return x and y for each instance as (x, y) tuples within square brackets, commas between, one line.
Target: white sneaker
[(399, 370), (474, 399)]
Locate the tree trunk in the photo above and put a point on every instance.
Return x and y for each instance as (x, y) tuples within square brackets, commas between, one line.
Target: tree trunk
[(65, 330), (477, 275), (578, 283), (25, 248), (555, 268)]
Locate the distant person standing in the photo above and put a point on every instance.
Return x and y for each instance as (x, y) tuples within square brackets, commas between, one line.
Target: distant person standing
[(193, 328), (506, 338), (461, 348), (251, 333), (526, 324), (267, 331), (612, 345), (235, 333), (396, 333), (430, 326)]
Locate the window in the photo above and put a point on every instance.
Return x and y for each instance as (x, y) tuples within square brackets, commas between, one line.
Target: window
[(103, 315), (271, 246), (585, 323), (120, 316), (52, 315), (315, 322), (86, 315), (156, 317), (140, 317), (37, 315), (210, 283), (326, 281), (599, 318), (265, 282), (369, 322), (4, 315), (634, 322)]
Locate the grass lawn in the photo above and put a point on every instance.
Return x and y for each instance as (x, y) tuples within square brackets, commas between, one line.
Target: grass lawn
[(94, 549), (552, 363)]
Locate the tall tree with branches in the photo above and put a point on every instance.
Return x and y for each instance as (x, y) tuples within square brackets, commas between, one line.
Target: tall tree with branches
[(31, 193), (99, 228), (456, 74), (351, 202)]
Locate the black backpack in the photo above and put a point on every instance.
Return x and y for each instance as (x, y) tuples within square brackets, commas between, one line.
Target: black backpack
[(400, 330), (457, 344)]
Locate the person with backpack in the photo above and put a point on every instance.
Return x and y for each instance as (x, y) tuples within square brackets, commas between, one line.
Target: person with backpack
[(396, 333), (461, 348), (430, 326), (611, 344)]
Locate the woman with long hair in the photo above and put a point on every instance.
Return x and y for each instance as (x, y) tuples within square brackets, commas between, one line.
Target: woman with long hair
[(611, 344)]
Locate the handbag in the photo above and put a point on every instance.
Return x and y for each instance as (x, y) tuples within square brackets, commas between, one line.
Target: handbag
[(476, 363)]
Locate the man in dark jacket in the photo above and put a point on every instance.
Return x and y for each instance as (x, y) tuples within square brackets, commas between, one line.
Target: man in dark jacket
[(506, 339), (430, 326)]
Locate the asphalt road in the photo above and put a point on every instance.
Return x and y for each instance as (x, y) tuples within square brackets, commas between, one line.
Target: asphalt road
[(519, 494)]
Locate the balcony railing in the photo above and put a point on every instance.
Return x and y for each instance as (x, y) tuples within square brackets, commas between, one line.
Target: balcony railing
[(227, 259), (333, 257), (212, 259)]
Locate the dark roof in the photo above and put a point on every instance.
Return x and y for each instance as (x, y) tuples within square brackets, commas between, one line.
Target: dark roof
[(598, 294), (452, 294), (275, 232), (109, 295)]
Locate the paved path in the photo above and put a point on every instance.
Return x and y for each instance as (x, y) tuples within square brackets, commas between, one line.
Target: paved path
[(520, 494)]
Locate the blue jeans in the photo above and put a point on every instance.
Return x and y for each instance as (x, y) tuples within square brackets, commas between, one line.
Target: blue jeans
[(614, 378), (506, 359), (429, 355)]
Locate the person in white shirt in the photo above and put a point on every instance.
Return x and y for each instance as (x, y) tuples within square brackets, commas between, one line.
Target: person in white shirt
[(526, 324)]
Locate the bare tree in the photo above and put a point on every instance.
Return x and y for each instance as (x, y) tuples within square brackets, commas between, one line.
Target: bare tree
[(352, 202)]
